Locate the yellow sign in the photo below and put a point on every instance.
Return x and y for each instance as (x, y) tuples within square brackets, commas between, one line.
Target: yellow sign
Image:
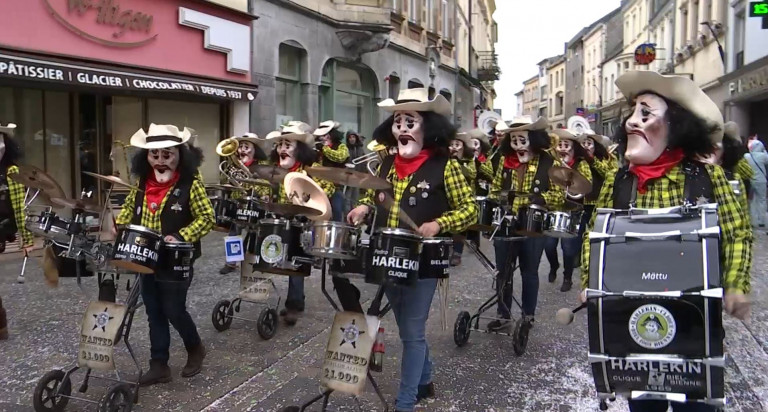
[(348, 353), (98, 333)]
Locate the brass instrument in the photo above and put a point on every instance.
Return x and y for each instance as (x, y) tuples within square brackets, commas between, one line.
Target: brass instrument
[(232, 167), (373, 159)]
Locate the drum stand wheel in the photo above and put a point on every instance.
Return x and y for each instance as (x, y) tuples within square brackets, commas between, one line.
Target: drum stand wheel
[(267, 323), (222, 315), (520, 336), (119, 398), (52, 392), (462, 328)]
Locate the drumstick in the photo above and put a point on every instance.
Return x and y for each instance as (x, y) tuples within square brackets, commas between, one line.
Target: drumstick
[(389, 203), (565, 316)]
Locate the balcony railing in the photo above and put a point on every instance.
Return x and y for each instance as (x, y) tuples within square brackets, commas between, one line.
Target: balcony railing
[(488, 69)]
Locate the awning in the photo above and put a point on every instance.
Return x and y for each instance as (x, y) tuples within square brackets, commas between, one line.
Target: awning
[(65, 73)]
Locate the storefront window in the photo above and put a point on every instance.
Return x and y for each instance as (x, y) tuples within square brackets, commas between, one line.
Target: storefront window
[(346, 95), (58, 141), (123, 120)]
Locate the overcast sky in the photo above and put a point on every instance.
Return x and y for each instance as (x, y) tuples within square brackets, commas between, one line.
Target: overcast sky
[(532, 30)]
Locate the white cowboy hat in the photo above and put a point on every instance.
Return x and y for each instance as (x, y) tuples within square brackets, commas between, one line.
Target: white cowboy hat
[(501, 126), (731, 130), (298, 131), (521, 123), (565, 134), (326, 127), (253, 138), (8, 129), (679, 89), (160, 136), (477, 134), (417, 100), (604, 141), (310, 194)]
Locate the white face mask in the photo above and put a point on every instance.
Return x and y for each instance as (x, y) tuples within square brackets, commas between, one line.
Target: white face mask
[(476, 146), (565, 150), (286, 150), (456, 147), (2, 146), (647, 130), (164, 163), (246, 152), (409, 133), (589, 145), (518, 141)]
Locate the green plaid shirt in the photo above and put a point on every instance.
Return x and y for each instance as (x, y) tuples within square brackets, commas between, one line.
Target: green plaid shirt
[(463, 212), (555, 196), (201, 208), (667, 191), (338, 155), (17, 191)]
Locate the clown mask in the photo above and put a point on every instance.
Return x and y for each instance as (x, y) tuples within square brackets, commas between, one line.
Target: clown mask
[(589, 145), (246, 152), (476, 146), (164, 163), (647, 130), (520, 144), (456, 148), (286, 151), (565, 150), (408, 129)]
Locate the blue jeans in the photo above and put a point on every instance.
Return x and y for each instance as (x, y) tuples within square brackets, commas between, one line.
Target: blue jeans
[(471, 235), (528, 252), (661, 406), (295, 299), (570, 247), (337, 205), (410, 305), (167, 302)]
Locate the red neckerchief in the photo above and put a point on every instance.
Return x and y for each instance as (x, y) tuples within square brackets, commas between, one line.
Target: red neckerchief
[(571, 163), (511, 162), (155, 191), (657, 168), (248, 163), (406, 167), (295, 167), (481, 157)]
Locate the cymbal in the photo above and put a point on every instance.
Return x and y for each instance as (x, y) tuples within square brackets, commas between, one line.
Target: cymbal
[(36, 178), (44, 199), (570, 179), (348, 177), (272, 173), (289, 209), (258, 182), (224, 187), (87, 205), (112, 179), (304, 191)]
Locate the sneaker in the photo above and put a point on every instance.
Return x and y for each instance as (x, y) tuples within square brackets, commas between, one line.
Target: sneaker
[(455, 260), (498, 324), (567, 284), (426, 392), (227, 269)]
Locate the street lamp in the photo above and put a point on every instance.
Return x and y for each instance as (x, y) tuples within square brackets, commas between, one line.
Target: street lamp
[(714, 35)]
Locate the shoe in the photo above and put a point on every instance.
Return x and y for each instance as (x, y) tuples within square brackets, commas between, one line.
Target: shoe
[(528, 320), (426, 392), (227, 269), (552, 275), (567, 284), (195, 356), (291, 317), (498, 324), (158, 372), (455, 260), (283, 312)]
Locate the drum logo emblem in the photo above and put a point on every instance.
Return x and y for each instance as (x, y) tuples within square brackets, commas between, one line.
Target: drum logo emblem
[(652, 326), (272, 249)]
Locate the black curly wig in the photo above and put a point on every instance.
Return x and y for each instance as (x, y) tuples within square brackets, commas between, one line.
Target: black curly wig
[(190, 159), (686, 131), (12, 152), (579, 152), (733, 151), (336, 138), (600, 151), (305, 155), (467, 152), (538, 140), (438, 131)]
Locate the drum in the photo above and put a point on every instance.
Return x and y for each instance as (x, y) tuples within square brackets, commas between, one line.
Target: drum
[(68, 267), (175, 263), (49, 226), (435, 258), (274, 247), (225, 211), (248, 212), (530, 220), (562, 224), (394, 257), (333, 240), (353, 268), (486, 209), (137, 249), (658, 326)]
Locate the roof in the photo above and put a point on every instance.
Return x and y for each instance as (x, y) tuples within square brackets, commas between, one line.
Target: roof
[(556, 60), (535, 77), (520, 92), (578, 37), (548, 60)]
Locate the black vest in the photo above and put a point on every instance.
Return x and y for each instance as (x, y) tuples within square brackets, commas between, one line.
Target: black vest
[(422, 204), (697, 184), (540, 181), (330, 163), (8, 226), (171, 221)]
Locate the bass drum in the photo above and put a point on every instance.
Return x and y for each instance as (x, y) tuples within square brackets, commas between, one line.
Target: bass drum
[(435, 259), (394, 257), (137, 249), (175, 263), (275, 246)]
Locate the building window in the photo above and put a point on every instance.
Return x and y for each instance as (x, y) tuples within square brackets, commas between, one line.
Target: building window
[(447, 20), (707, 15), (347, 96), (447, 94), (684, 24), (559, 103), (550, 80), (288, 84), (413, 11), (694, 23), (738, 39), (394, 86), (613, 84), (415, 84)]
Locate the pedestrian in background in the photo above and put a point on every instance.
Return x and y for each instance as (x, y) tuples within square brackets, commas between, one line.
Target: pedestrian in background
[(356, 149), (758, 160)]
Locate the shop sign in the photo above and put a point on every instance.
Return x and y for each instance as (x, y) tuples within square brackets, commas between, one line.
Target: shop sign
[(750, 83), (645, 53), (104, 13), (29, 69)]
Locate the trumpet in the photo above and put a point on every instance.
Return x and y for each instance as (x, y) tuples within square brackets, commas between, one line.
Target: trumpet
[(373, 159), (232, 167)]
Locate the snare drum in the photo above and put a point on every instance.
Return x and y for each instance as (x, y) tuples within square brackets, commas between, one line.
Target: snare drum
[(275, 244), (136, 249), (485, 214), (435, 258), (334, 240), (248, 212), (49, 226), (225, 211), (530, 220), (563, 225), (175, 263), (353, 268), (394, 257)]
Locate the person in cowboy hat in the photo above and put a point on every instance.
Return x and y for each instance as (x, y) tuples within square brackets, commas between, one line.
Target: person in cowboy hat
[(11, 204), (293, 151), (574, 156), (429, 187), (250, 152), (672, 123), (524, 169), (175, 204), (334, 153), (463, 151), (485, 172)]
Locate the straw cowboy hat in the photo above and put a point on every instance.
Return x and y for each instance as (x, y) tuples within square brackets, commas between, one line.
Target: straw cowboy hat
[(326, 127), (521, 123), (464, 137), (478, 134), (681, 90), (731, 130), (252, 138), (298, 131), (310, 194), (417, 100), (160, 136), (566, 134), (8, 129)]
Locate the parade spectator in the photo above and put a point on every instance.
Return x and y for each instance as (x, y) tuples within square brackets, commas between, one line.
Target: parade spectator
[(758, 160)]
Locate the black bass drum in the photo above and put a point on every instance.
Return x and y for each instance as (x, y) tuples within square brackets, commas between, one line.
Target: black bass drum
[(136, 249), (275, 247), (394, 257), (175, 264), (435, 258)]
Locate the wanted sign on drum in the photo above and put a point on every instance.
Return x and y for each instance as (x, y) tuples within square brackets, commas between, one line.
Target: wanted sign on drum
[(98, 333), (348, 353)]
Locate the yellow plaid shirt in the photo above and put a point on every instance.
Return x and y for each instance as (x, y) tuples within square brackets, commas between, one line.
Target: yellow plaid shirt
[(338, 155), (200, 205), (667, 191), (485, 171), (554, 197), (469, 171), (463, 209), (603, 167), (17, 191)]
